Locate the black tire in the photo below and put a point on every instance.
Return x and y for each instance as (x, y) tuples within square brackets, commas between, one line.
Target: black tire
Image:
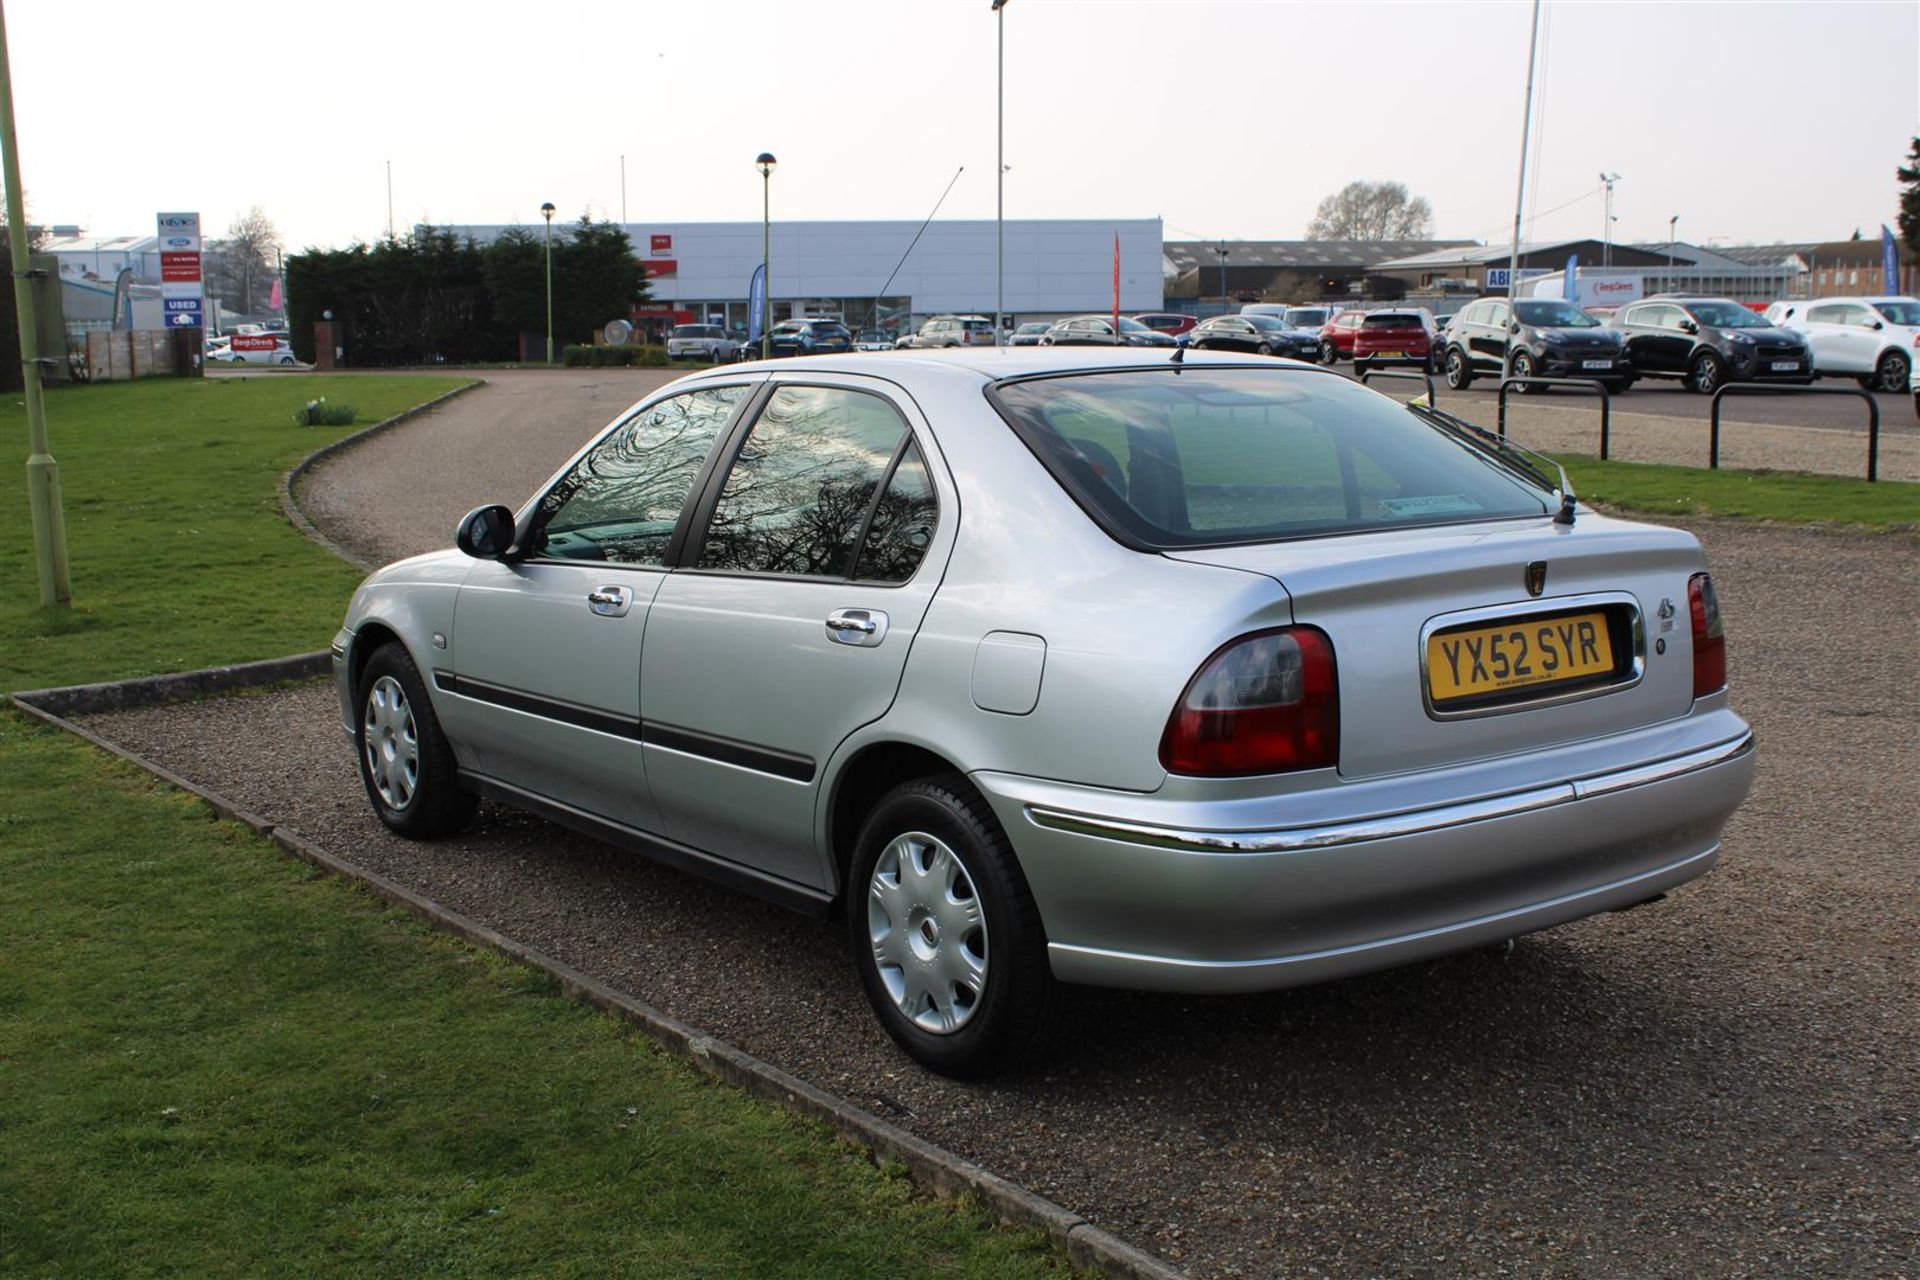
[(1706, 373), (1892, 371), (1263, 350), (1329, 354), (436, 805), (1523, 368), (1016, 1014), (1459, 370)]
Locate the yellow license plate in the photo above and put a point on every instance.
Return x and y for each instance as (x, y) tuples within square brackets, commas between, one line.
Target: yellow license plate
[(1393, 355), (1517, 654)]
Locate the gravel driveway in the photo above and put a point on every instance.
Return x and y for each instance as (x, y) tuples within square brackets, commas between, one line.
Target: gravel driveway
[(1725, 1083)]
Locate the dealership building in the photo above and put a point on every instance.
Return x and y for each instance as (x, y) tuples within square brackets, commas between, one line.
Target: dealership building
[(892, 275)]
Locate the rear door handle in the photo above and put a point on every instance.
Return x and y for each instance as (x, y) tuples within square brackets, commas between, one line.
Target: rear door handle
[(860, 627), (610, 602)]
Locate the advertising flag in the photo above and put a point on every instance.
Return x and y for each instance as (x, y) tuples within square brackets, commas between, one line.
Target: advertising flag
[(277, 299), (1116, 286), (1889, 261), (757, 303), (1571, 285)]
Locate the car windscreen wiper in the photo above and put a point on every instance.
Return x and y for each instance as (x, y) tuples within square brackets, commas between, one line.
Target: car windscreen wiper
[(1516, 458)]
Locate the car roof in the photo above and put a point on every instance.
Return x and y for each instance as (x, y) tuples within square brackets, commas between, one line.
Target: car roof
[(979, 366)]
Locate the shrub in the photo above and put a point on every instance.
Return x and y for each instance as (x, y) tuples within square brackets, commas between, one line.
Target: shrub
[(318, 413)]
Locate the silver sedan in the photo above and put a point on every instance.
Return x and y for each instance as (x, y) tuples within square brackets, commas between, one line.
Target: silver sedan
[(1042, 667)]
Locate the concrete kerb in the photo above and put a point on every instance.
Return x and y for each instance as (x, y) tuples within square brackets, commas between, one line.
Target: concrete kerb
[(947, 1175), (290, 507)]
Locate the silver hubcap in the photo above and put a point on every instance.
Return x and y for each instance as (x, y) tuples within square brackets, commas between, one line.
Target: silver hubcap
[(929, 933), (391, 743)]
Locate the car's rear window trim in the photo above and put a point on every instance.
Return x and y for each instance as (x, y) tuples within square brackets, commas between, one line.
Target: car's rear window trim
[(1141, 540)]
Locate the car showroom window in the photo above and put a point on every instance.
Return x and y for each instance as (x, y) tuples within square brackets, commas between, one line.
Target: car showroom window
[(621, 502), (798, 495)]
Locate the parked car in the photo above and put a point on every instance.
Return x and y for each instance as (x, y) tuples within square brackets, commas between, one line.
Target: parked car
[(873, 340), (1337, 336), (809, 337), (1874, 340), (1097, 331), (257, 347), (1310, 317), (1416, 699), (1551, 338), (701, 342), (1262, 335), (1172, 322), (1396, 337), (1028, 335), (1706, 342), (953, 331)]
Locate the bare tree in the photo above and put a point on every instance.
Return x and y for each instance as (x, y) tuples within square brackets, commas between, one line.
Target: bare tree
[(240, 266), (1372, 211)]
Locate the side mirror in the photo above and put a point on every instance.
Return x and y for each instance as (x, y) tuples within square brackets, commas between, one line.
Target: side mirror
[(1514, 327), (1876, 325), (485, 533), (1688, 326)]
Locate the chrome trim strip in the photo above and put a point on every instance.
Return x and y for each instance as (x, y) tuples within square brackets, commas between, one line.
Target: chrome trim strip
[(1636, 670), (1392, 825), (1360, 948)]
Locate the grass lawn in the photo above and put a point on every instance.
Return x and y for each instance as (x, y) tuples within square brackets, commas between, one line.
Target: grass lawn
[(219, 1062), (214, 1061), (180, 556), (1759, 495)]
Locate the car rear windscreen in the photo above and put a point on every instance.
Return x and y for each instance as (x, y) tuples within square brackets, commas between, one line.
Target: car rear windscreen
[(1180, 457), (1392, 322)]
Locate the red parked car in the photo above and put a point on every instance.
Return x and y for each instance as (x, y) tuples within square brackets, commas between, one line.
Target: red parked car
[(1337, 336), (1394, 338), (1167, 322)]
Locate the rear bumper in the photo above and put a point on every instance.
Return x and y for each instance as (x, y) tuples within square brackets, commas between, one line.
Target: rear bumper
[(1191, 906)]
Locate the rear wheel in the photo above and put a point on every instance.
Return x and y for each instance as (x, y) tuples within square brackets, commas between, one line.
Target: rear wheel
[(1892, 371), (1264, 349), (1706, 373), (1459, 369), (945, 934), (1329, 354), (406, 762)]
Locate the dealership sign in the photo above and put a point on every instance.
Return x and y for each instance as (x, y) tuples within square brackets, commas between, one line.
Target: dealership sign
[(661, 246), (1497, 276), (181, 290)]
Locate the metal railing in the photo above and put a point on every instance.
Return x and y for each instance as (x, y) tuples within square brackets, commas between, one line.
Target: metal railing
[(1588, 385), (1775, 389), (1432, 389)]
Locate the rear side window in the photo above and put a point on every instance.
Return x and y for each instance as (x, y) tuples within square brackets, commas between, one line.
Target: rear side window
[(1205, 457), (801, 498)]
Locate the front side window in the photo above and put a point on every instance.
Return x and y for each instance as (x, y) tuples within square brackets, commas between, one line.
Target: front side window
[(800, 498), (1212, 456), (1903, 311), (621, 502)]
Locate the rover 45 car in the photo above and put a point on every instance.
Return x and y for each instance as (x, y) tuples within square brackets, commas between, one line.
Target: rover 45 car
[(1192, 672)]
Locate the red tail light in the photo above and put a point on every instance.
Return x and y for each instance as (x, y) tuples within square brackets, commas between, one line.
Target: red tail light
[(1265, 703), (1709, 641)]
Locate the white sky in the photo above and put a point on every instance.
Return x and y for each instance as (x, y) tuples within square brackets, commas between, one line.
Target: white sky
[(1752, 121)]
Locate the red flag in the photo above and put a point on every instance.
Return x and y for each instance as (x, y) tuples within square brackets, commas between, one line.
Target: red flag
[(275, 300), (1116, 286)]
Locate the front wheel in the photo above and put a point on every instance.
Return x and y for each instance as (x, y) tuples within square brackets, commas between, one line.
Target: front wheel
[(1892, 372), (1459, 370), (1264, 349), (1706, 373), (406, 762), (945, 934), (1523, 368), (1329, 354)]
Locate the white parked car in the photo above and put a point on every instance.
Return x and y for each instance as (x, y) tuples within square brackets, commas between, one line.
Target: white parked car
[(1876, 340), (701, 342), (256, 348)]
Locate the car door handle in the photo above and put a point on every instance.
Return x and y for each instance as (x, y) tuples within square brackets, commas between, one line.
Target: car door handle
[(860, 627), (610, 602)]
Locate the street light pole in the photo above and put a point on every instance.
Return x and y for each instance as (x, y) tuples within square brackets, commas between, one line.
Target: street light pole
[(765, 162), (546, 211), (1672, 224), (1606, 231), (1000, 181), (43, 473), (623, 191)]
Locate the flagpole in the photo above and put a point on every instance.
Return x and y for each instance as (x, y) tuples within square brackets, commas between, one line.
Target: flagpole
[(1519, 199)]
